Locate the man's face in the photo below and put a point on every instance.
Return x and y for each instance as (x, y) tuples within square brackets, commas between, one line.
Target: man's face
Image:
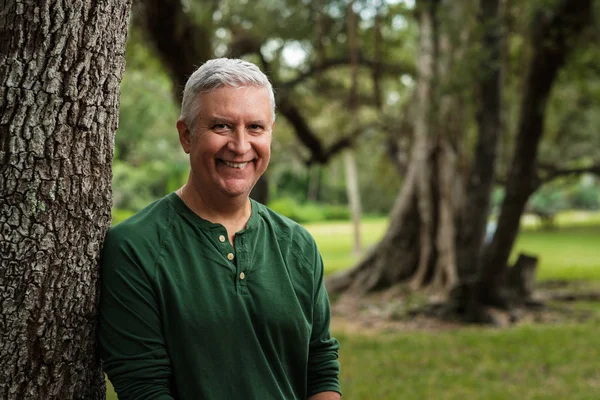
[(231, 143)]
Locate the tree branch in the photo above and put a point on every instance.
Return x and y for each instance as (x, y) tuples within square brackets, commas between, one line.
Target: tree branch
[(318, 152), (180, 42), (397, 69), (548, 172)]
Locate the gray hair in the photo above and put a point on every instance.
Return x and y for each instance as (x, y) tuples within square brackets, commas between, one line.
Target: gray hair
[(216, 73)]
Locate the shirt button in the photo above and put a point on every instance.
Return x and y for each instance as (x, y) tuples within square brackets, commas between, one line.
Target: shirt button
[(230, 256), (221, 238), (242, 275)]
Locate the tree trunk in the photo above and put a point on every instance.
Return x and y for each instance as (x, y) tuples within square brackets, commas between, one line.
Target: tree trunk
[(353, 197), (405, 250), (314, 182), (477, 207), (395, 257), (557, 33), (260, 191), (60, 69), (352, 187)]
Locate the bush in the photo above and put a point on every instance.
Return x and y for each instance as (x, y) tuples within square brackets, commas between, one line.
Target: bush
[(119, 214), (308, 212), (585, 197)]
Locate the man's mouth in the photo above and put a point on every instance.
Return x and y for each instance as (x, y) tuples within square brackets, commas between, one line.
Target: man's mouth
[(235, 165)]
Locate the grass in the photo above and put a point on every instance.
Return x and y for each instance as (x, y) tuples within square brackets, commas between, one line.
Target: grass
[(335, 241), (524, 362), (570, 251)]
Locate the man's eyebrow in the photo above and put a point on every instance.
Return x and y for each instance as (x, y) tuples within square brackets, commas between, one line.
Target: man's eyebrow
[(257, 122), (217, 119)]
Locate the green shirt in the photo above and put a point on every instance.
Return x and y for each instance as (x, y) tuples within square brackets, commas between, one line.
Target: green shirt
[(185, 315)]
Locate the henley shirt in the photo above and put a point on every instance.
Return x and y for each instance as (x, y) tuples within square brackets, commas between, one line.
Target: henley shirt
[(185, 315)]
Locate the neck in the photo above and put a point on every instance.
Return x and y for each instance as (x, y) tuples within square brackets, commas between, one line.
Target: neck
[(228, 211)]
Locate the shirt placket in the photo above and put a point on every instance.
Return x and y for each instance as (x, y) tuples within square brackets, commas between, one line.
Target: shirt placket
[(241, 264)]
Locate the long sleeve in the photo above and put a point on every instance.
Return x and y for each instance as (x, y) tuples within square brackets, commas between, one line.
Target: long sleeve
[(131, 342), (323, 365)]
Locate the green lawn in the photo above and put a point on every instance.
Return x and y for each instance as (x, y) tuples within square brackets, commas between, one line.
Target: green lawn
[(570, 251), (524, 362)]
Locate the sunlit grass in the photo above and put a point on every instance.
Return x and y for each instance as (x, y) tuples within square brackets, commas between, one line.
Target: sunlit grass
[(335, 241), (571, 250)]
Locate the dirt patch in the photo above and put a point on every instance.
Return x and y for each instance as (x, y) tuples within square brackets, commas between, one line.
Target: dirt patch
[(402, 311)]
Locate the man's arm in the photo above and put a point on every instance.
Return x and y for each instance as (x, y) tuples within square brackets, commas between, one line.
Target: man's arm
[(326, 396), (323, 366), (130, 338)]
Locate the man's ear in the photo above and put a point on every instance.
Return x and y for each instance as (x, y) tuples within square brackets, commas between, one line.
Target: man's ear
[(185, 136)]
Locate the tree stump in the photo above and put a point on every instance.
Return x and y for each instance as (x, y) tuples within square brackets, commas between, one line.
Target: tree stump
[(521, 276)]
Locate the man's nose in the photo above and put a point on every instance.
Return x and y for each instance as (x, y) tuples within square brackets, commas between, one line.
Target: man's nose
[(239, 142)]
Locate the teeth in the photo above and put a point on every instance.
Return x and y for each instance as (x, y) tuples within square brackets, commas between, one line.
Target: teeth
[(235, 165)]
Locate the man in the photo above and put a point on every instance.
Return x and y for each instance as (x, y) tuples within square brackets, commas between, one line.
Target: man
[(207, 294)]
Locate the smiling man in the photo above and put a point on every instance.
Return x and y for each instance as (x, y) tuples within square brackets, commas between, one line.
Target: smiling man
[(207, 294)]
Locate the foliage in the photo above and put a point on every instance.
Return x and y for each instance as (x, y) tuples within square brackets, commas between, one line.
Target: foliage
[(148, 161), (120, 215), (308, 211), (548, 200), (582, 193), (585, 194)]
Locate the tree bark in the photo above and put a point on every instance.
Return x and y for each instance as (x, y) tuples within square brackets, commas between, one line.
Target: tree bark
[(552, 38), (481, 181), (178, 40), (60, 69), (353, 192), (395, 257)]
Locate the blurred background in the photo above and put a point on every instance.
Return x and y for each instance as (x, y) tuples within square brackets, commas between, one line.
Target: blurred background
[(444, 154)]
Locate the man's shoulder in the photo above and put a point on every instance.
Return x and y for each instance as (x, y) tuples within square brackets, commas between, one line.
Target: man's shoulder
[(147, 226), (286, 227)]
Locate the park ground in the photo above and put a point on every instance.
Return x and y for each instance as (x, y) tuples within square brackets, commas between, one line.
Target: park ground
[(390, 352)]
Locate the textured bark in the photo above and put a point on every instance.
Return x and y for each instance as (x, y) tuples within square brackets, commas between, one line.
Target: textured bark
[(556, 34), (60, 68)]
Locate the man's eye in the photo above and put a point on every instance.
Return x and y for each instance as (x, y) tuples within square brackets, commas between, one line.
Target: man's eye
[(255, 128), (220, 127)]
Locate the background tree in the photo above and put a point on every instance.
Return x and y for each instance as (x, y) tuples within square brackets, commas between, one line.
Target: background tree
[(557, 31), (60, 69), (418, 246)]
